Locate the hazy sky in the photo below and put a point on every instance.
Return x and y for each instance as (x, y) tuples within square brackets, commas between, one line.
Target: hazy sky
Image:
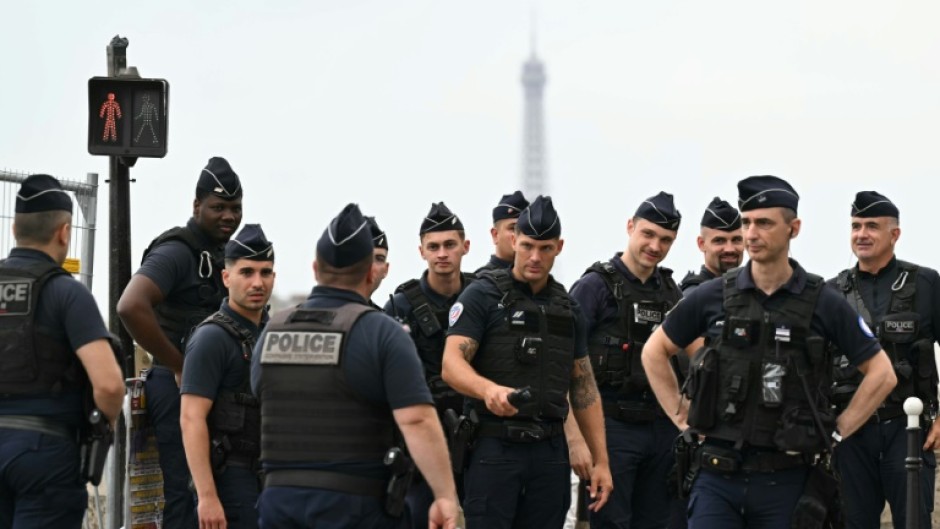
[(395, 105)]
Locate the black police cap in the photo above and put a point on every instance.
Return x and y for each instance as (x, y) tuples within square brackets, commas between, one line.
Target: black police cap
[(540, 220), (250, 243), (756, 192), (218, 178), (379, 240), (510, 206), (873, 204), (41, 192), (720, 215), (347, 240), (440, 218), (660, 210)]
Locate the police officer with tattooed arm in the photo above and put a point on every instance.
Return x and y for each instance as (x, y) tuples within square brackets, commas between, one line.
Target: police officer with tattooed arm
[(760, 388), (516, 348), (56, 364), (900, 301), (341, 386), (219, 416)]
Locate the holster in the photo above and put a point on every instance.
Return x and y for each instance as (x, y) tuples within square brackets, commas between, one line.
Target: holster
[(685, 449), (403, 471), (820, 506), (461, 432), (95, 441)]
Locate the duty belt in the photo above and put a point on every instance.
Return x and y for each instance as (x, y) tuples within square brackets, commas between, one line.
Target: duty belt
[(521, 431), (36, 424), (632, 410), (322, 479), (728, 461)]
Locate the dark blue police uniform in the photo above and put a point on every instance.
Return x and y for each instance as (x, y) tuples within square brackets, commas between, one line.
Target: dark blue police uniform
[(691, 281), (639, 447), (495, 263), (215, 362), (382, 366), (755, 498), (509, 207), (39, 470), (513, 482)]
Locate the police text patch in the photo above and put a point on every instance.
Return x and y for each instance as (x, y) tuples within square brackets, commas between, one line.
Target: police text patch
[(14, 297), (301, 347)]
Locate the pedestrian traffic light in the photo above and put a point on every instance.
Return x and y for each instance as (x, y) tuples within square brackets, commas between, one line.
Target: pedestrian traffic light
[(127, 116)]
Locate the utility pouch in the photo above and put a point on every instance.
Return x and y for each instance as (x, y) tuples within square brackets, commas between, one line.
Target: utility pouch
[(702, 388), (724, 461), (772, 384), (798, 431), (927, 378), (219, 449), (426, 320), (227, 415), (635, 380), (528, 350)]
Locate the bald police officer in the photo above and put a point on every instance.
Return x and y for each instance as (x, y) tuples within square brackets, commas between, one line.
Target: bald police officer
[(219, 416), (505, 215), (517, 329), (762, 382), (721, 242), (54, 354), (340, 384), (178, 285), (901, 302)]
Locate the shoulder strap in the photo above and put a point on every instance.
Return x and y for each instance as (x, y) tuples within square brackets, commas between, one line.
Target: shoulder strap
[(413, 293)]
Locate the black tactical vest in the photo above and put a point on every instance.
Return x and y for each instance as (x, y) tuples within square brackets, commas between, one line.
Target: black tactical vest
[(615, 346), (31, 361), (309, 413), (235, 417), (533, 346), (759, 399), (428, 323), (901, 336), (693, 279), (178, 319)]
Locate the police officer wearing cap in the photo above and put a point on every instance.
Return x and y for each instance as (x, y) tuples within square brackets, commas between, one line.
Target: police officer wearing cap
[(423, 305), (900, 301), (379, 252), (505, 215), (517, 329), (340, 385), (622, 301), (219, 415), (762, 381), (720, 240), (178, 285), (55, 357)]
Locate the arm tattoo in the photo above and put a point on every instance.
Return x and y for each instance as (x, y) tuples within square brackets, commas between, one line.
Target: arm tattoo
[(469, 349), (583, 387)]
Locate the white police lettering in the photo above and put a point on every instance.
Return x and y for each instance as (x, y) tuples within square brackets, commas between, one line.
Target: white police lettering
[(864, 327), (455, 311), (14, 297), (307, 348), (643, 314), (902, 327)]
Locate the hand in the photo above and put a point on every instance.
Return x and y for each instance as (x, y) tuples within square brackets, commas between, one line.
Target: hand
[(580, 457), (496, 398), (933, 437), (442, 514), (601, 485), (210, 512)]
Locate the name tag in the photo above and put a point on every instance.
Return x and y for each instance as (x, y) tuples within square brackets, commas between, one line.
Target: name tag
[(305, 348), (14, 297)]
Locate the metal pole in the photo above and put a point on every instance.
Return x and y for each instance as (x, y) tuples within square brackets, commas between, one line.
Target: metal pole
[(91, 222), (913, 407)]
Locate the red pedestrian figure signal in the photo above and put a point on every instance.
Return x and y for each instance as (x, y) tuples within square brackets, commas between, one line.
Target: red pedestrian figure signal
[(111, 112)]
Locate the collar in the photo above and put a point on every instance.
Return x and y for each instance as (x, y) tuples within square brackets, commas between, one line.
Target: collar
[(654, 280), (888, 270), (706, 273), (496, 261), (30, 253), (795, 285), (241, 320), (436, 297), (338, 293), (207, 242)]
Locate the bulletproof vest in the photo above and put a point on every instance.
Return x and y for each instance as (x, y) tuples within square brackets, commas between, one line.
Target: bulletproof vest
[(235, 417), (32, 361), (487, 268), (428, 323), (908, 346), (533, 346), (615, 346), (751, 391), (309, 413), (179, 319), (692, 279)]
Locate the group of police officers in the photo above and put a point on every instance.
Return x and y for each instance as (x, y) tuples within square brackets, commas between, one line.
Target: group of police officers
[(481, 390)]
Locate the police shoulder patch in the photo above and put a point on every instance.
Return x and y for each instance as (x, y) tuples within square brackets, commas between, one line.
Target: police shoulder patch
[(864, 327), (455, 311)]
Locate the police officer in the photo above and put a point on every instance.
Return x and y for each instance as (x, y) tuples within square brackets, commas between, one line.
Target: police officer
[(901, 301), (219, 416), (423, 304), (379, 252), (760, 385), (517, 329), (178, 285), (720, 240), (54, 355), (340, 383), (505, 215), (622, 301)]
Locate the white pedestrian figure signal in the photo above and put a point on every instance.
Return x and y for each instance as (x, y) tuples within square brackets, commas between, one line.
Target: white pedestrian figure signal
[(147, 115)]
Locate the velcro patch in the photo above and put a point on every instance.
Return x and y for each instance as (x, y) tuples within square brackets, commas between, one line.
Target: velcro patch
[(14, 297), (301, 347)]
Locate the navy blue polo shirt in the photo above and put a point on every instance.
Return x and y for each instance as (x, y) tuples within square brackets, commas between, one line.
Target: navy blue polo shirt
[(876, 289), (702, 313), (478, 310), (174, 268), (214, 359), (495, 263), (705, 273), (67, 312)]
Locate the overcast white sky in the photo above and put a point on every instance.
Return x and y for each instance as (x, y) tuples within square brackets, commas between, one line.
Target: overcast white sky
[(395, 105)]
